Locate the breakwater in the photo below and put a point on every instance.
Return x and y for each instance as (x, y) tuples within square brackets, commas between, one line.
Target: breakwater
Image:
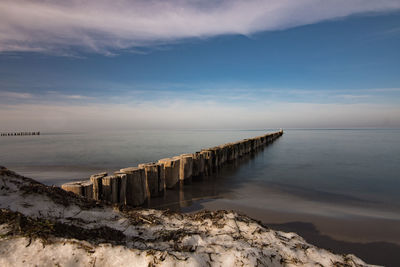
[(19, 133), (134, 185)]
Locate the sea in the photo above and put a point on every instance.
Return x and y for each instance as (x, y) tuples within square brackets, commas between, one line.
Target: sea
[(338, 188)]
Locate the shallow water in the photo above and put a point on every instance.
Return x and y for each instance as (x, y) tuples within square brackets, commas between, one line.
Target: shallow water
[(345, 182), (55, 158)]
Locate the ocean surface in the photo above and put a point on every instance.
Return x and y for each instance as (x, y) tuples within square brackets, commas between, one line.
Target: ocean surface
[(343, 182)]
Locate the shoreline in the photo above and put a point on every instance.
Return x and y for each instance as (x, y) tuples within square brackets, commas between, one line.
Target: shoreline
[(326, 232), (339, 235), (85, 232)]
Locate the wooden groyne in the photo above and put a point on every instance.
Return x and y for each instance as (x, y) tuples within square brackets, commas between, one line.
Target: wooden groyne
[(134, 185), (19, 133)]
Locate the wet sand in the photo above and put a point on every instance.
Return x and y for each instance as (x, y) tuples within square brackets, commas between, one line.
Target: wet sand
[(376, 241), (379, 253), (335, 222)]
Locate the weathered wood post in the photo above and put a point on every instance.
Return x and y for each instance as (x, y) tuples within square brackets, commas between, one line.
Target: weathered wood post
[(246, 146), (269, 139), (207, 156), (82, 188), (74, 187), (256, 144), (253, 145), (223, 154), (198, 164), (96, 180), (186, 166), (122, 184), (136, 188), (171, 171), (155, 178), (110, 188), (241, 148), (263, 139), (161, 179), (87, 187), (215, 159), (230, 156), (236, 149)]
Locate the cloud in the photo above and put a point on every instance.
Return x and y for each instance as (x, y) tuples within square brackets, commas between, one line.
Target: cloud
[(204, 109), (237, 94), (348, 96), (24, 97), (104, 26), (178, 114), (14, 95), (54, 96)]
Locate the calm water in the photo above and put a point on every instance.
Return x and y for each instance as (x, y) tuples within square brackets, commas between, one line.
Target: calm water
[(345, 182), (55, 158)]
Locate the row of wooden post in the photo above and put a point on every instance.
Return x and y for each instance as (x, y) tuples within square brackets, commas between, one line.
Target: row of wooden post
[(19, 133), (134, 185)]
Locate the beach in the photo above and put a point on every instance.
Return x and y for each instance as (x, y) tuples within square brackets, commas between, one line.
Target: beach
[(308, 182), (47, 225)]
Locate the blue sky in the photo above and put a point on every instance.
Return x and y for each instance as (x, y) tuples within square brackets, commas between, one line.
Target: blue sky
[(334, 70)]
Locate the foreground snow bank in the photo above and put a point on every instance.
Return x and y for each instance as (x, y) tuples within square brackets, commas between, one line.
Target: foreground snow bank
[(46, 226)]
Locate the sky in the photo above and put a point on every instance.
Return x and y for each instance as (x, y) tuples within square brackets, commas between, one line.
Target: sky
[(93, 65)]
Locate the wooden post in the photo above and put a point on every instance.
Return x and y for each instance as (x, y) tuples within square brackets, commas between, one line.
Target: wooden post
[(96, 180), (241, 148), (207, 156), (136, 186), (110, 188), (161, 178), (115, 182), (155, 178), (186, 166), (171, 171), (74, 187), (87, 188), (223, 154), (122, 187), (106, 189), (215, 159), (230, 152), (151, 178), (198, 164), (236, 150), (81, 188)]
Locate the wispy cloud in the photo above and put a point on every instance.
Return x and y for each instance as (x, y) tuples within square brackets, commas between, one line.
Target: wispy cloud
[(347, 96), (239, 108), (239, 94), (24, 97), (54, 95), (15, 95), (104, 26), (196, 114)]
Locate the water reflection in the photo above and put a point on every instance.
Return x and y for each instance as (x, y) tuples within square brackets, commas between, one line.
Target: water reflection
[(188, 195)]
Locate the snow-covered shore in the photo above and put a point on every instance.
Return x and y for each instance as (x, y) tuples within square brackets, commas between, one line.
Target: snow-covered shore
[(46, 226)]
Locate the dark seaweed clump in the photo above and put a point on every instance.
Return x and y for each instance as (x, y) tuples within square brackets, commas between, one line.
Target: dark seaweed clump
[(21, 225)]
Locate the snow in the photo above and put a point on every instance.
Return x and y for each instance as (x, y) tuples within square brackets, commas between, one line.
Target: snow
[(115, 236)]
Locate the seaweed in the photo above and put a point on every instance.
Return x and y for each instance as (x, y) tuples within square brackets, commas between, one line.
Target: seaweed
[(21, 225)]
